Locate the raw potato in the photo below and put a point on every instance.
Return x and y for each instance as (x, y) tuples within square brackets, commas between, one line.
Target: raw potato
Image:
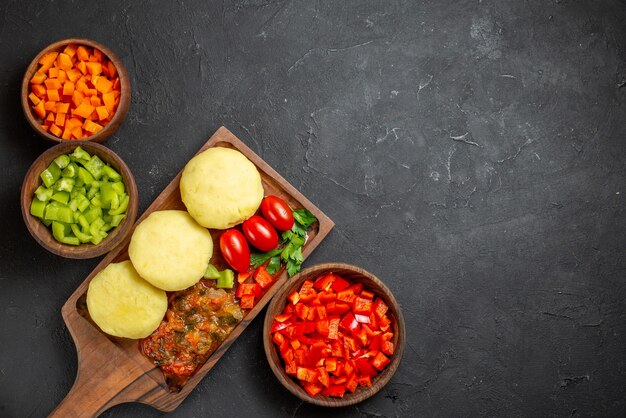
[(123, 304), (221, 188), (170, 250)]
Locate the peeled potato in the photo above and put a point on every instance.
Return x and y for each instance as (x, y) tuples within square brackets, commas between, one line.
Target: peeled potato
[(123, 304), (170, 250), (221, 188)]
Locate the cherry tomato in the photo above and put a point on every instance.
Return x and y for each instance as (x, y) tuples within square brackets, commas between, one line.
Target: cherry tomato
[(235, 250), (278, 212), (260, 233)]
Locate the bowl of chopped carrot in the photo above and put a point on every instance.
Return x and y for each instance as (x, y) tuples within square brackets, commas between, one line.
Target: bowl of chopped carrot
[(75, 90), (334, 335)]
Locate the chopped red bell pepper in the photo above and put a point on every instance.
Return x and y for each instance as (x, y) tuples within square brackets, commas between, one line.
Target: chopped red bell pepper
[(308, 294), (302, 311), (387, 347), (330, 364), (380, 307), (324, 282), (336, 391), (380, 361), (294, 297), (362, 306), (339, 284), (333, 328), (312, 389), (322, 326), (242, 277), (306, 374), (326, 297), (349, 322), (365, 368), (346, 295), (366, 294), (322, 375), (279, 326), (283, 317), (352, 383), (263, 278), (247, 302), (356, 288), (321, 312), (365, 381)]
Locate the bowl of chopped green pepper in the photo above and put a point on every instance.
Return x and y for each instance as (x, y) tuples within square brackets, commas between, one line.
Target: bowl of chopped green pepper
[(79, 200)]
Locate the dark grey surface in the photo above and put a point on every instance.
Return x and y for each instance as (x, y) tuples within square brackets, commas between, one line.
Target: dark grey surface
[(471, 154)]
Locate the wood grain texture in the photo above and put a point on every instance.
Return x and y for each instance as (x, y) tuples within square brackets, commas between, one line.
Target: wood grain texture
[(111, 127), (43, 234), (352, 274), (113, 370)]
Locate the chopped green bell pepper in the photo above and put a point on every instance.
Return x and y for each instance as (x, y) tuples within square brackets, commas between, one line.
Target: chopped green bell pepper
[(50, 175)]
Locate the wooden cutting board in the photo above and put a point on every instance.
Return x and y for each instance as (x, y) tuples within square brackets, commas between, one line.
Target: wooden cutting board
[(112, 370)]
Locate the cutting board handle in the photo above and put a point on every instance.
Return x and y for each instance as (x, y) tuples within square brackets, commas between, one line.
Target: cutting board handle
[(106, 375)]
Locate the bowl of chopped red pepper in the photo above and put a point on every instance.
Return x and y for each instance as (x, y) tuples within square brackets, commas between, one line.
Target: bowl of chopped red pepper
[(334, 335)]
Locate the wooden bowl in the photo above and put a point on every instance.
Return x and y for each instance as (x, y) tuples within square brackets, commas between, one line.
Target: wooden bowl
[(43, 234), (353, 275), (111, 127)]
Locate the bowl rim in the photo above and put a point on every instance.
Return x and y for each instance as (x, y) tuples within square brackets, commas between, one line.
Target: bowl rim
[(120, 113), (361, 393), (87, 250)]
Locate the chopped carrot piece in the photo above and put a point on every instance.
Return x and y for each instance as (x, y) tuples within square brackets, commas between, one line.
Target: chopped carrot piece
[(84, 110), (77, 133), (70, 50), (55, 130), (44, 127), (98, 55), (82, 53), (90, 92), (77, 97), (50, 106), (53, 72), (60, 119), (81, 85), (73, 74), (33, 98), (90, 126), (112, 69), (52, 84), (39, 90), (48, 58), (94, 68), (62, 107), (73, 123), (103, 113), (64, 61), (95, 101), (103, 85), (39, 109), (50, 119), (82, 67), (53, 95), (116, 84), (68, 88), (38, 78), (67, 134), (62, 76)]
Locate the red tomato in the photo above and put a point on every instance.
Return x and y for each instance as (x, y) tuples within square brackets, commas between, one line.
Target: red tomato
[(260, 233), (235, 250), (278, 212)]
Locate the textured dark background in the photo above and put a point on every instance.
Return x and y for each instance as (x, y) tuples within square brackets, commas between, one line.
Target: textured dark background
[(471, 154)]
